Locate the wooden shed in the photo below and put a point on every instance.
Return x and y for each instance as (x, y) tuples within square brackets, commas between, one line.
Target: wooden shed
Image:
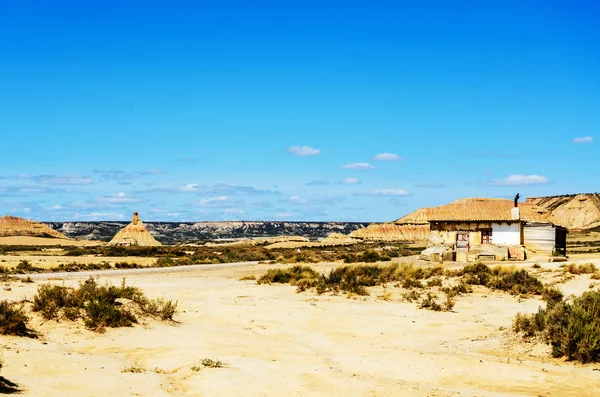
[(545, 237)]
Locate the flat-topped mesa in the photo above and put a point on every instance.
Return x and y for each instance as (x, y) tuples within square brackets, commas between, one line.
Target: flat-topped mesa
[(14, 226), (134, 234)]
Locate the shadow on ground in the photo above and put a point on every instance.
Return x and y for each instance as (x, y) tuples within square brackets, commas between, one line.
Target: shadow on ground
[(8, 387)]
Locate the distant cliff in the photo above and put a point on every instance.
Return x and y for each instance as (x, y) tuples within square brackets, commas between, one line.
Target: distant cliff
[(13, 226), (175, 232), (573, 211)]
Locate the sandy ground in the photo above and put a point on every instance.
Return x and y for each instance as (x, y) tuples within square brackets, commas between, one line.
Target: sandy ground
[(277, 342), (29, 240), (51, 261)]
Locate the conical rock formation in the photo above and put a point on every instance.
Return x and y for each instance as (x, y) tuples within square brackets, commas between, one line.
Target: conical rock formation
[(14, 226), (135, 234)]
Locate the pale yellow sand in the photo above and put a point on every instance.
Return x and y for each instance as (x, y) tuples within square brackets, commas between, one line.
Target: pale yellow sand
[(30, 240), (280, 343)]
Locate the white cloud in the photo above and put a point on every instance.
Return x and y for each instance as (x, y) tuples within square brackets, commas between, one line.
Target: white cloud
[(297, 200), (388, 157), (303, 151), (517, 179), (238, 211), (430, 185), (190, 187), (350, 181), (214, 202), (386, 192), (118, 198), (391, 192), (358, 166), (283, 215), (584, 139), (61, 179), (225, 189)]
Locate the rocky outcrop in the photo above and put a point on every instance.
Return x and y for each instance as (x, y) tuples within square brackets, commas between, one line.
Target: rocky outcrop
[(393, 232), (135, 234), (178, 232), (411, 227), (575, 212), (13, 226)]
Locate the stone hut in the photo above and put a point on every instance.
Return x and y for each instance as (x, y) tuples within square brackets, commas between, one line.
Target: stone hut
[(485, 228)]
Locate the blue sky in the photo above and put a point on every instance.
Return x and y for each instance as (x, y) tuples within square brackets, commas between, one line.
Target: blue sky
[(349, 111)]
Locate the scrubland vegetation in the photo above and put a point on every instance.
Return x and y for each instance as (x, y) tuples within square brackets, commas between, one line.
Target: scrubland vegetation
[(571, 327), (167, 256), (99, 306)]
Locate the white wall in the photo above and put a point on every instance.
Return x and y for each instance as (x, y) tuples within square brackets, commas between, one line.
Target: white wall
[(506, 234)]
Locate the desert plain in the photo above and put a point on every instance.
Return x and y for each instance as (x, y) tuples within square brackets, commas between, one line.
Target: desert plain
[(271, 340)]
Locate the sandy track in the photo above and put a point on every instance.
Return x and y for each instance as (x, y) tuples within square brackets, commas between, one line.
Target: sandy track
[(277, 342), (128, 272)]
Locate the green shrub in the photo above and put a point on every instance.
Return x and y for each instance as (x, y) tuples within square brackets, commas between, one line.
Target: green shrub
[(284, 276), (97, 305), (586, 268), (13, 320), (516, 283), (572, 329), (430, 302), (411, 296)]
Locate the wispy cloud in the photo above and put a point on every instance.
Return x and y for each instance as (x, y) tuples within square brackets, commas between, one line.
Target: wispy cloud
[(220, 202), (388, 157), (351, 181), (496, 155), (26, 190), (517, 179), (358, 166), (60, 179), (303, 151), (119, 175), (430, 185), (118, 198), (584, 139), (386, 192), (318, 183), (225, 189), (316, 202)]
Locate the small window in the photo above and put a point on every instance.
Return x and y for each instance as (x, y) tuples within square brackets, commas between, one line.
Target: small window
[(486, 237)]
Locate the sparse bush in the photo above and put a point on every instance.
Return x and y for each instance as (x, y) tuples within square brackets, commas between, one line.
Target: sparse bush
[(536, 266), (97, 305), (207, 363), (160, 308), (13, 320), (24, 265), (585, 268), (284, 276), (435, 282), (210, 363), (572, 329), (246, 278), (411, 296), (412, 283), (449, 303), (134, 369), (126, 265), (596, 275), (430, 302), (552, 296), (27, 280), (102, 313), (516, 282)]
